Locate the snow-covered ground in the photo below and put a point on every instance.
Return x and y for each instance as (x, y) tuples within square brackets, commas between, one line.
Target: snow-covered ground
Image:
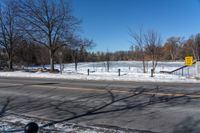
[(130, 71), (13, 123)]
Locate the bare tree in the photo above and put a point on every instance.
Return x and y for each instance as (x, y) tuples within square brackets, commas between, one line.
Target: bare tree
[(48, 22), (153, 45), (196, 46), (139, 41), (8, 29), (108, 60), (174, 43), (78, 46), (42, 55)]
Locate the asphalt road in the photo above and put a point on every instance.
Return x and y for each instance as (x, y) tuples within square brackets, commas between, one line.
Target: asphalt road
[(156, 107)]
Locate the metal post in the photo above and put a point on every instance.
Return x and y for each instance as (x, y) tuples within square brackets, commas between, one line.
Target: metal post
[(119, 72), (60, 68), (88, 71), (151, 72), (182, 72)]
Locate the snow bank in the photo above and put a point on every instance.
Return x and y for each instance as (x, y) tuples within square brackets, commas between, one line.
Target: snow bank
[(110, 76), (130, 71)]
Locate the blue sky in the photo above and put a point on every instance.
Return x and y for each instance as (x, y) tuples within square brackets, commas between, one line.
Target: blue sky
[(107, 22)]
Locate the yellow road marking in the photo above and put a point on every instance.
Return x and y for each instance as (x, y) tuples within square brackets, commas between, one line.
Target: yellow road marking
[(76, 88), (165, 94), (123, 91), (172, 94), (175, 94)]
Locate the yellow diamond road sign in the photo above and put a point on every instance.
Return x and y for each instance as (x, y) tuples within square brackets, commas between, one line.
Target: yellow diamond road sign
[(188, 60)]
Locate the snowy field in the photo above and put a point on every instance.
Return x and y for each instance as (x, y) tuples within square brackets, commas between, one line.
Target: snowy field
[(130, 71)]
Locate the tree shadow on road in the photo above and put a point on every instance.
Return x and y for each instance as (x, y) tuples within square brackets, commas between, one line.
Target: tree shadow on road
[(113, 102), (4, 107), (188, 125), (106, 101)]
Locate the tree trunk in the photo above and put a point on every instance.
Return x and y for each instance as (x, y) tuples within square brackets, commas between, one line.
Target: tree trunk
[(143, 63), (10, 60), (195, 53), (10, 63), (108, 66), (51, 60), (76, 65), (153, 62), (76, 61)]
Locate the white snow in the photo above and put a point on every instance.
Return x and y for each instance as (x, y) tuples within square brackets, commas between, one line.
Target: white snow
[(16, 122), (130, 71)]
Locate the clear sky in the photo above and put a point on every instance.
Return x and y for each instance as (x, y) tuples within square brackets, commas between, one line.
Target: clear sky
[(107, 22)]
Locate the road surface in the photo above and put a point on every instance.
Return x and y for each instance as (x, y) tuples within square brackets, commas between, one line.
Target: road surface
[(155, 107)]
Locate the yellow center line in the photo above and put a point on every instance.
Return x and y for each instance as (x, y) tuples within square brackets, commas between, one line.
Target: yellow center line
[(165, 94), (80, 89), (172, 94), (175, 94)]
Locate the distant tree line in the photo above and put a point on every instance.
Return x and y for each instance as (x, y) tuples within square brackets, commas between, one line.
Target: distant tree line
[(175, 48)]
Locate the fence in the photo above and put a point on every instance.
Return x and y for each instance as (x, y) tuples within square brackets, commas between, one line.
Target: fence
[(187, 71)]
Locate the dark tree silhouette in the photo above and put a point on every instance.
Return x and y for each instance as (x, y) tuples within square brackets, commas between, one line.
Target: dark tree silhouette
[(49, 23)]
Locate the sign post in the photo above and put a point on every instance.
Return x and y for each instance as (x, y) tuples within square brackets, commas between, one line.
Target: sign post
[(188, 60)]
